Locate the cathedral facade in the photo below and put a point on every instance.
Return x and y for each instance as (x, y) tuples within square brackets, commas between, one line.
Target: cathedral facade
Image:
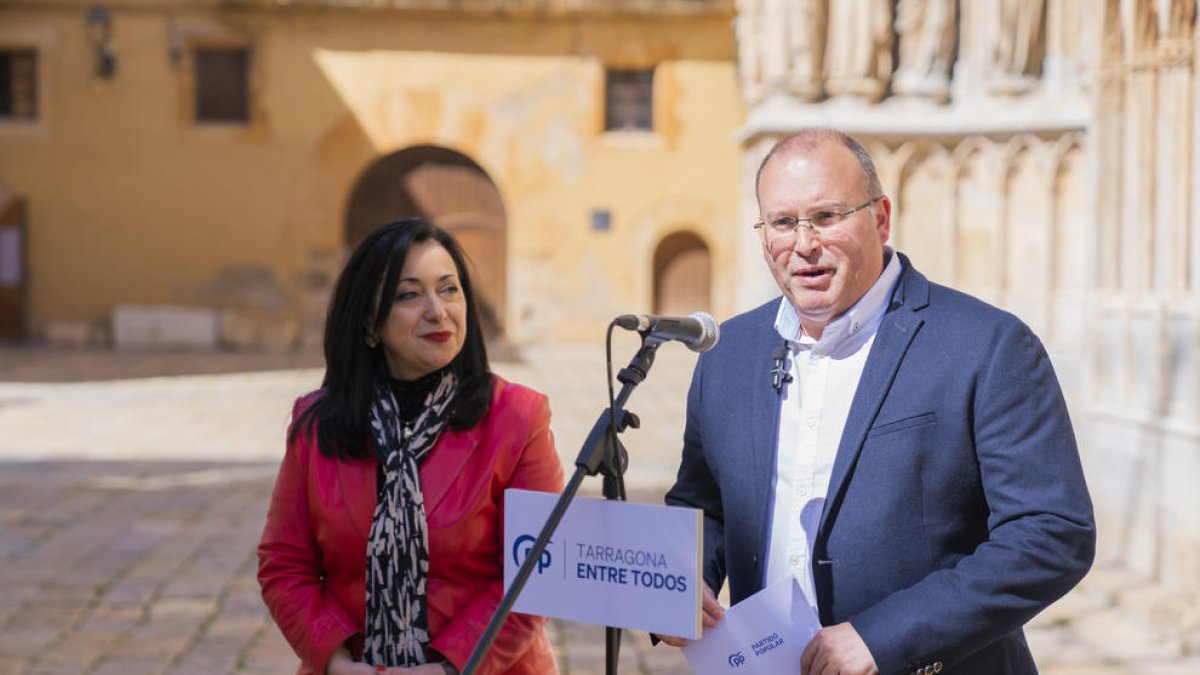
[(1040, 154)]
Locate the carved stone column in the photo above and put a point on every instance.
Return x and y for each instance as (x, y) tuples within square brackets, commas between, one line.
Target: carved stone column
[(1174, 148)]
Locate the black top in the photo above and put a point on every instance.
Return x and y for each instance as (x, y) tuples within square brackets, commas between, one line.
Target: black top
[(411, 394)]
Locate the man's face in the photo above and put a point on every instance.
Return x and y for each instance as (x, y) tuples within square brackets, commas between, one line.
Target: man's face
[(822, 274)]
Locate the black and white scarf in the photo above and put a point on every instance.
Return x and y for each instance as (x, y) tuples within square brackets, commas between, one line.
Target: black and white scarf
[(398, 547)]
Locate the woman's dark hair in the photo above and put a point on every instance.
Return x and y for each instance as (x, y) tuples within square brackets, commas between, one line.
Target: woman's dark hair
[(353, 370)]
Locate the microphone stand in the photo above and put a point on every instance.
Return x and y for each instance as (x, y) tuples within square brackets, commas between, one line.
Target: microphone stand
[(603, 453)]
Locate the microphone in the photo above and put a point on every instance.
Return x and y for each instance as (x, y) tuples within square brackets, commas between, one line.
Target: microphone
[(698, 331), (779, 374)]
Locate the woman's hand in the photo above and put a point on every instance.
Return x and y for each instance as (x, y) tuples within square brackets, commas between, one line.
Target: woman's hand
[(341, 663)]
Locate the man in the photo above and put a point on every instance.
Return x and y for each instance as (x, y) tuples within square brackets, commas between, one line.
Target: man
[(901, 449)]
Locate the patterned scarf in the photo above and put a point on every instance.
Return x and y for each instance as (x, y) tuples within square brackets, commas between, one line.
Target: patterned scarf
[(398, 548)]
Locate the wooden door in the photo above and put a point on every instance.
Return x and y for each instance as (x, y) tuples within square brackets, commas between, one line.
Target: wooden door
[(13, 272), (682, 275)]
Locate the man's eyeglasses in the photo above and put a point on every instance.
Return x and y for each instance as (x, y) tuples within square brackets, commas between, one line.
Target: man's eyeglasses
[(821, 221)]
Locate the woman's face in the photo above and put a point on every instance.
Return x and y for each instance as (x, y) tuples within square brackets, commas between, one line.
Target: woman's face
[(427, 324)]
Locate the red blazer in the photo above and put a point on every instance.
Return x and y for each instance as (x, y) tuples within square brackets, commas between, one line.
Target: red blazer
[(313, 553)]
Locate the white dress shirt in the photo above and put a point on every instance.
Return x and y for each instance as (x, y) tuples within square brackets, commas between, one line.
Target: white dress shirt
[(816, 403)]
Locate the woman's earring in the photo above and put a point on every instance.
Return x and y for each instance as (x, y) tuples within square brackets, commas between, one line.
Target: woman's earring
[(372, 341)]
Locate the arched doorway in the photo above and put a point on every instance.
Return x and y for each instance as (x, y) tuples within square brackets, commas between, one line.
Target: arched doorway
[(682, 275), (13, 275), (450, 189)]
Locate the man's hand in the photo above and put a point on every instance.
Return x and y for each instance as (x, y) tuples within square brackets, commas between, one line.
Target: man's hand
[(837, 650), (713, 612)]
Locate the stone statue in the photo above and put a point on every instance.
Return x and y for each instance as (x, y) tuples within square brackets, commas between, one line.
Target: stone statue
[(858, 53), (928, 32), (1019, 41), (780, 45), (774, 32), (747, 29), (806, 46)]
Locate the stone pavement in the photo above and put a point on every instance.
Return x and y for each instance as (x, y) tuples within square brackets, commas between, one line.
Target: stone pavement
[(130, 508)]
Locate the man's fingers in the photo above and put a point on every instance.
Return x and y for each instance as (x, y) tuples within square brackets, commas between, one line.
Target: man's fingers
[(807, 656), (673, 641), (712, 608), (712, 613), (837, 649)]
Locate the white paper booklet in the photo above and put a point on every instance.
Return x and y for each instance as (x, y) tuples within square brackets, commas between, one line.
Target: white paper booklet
[(765, 633)]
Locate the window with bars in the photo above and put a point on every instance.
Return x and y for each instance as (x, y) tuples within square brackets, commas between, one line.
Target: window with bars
[(222, 81), (18, 84), (629, 100)]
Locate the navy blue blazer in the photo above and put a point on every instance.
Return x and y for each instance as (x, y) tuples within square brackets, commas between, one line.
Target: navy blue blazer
[(957, 508)]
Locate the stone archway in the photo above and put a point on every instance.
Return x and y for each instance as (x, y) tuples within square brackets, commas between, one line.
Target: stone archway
[(682, 275), (454, 192)]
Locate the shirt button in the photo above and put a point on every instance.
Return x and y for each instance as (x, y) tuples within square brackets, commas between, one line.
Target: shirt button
[(803, 491), (795, 560), (810, 423)]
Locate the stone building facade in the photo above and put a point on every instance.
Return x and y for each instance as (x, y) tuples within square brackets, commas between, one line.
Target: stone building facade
[(190, 172), (1040, 154)]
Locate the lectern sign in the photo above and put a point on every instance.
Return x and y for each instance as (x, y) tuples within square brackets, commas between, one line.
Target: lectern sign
[(610, 563)]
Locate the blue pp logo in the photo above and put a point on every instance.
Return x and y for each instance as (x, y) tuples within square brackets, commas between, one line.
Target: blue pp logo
[(521, 548), (736, 660)]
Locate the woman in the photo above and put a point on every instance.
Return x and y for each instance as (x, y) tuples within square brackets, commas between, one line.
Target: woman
[(382, 547)]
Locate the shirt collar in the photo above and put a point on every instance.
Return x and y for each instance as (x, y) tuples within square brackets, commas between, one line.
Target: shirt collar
[(864, 314)]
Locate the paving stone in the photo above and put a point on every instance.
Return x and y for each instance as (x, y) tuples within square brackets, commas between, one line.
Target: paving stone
[(269, 647), (17, 639), (1120, 635), (1059, 646), (209, 656), (36, 616), (665, 660), (151, 645), (191, 585), (127, 592), (1091, 669), (136, 665), (52, 669), (114, 618)]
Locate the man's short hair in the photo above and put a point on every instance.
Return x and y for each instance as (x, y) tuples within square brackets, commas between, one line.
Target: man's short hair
[(807, 140)]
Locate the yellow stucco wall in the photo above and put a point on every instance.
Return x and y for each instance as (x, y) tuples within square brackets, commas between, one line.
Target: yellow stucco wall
[(131, 202)]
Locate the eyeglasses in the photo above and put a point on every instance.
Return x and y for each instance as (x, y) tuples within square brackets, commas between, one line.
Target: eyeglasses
[(821, 221)]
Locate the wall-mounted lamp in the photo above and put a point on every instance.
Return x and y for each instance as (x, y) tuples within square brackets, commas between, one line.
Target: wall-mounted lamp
[(98, 28), (175, 43)]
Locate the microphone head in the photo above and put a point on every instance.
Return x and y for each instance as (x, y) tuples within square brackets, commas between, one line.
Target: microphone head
[(629, 321), (711, 332)]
